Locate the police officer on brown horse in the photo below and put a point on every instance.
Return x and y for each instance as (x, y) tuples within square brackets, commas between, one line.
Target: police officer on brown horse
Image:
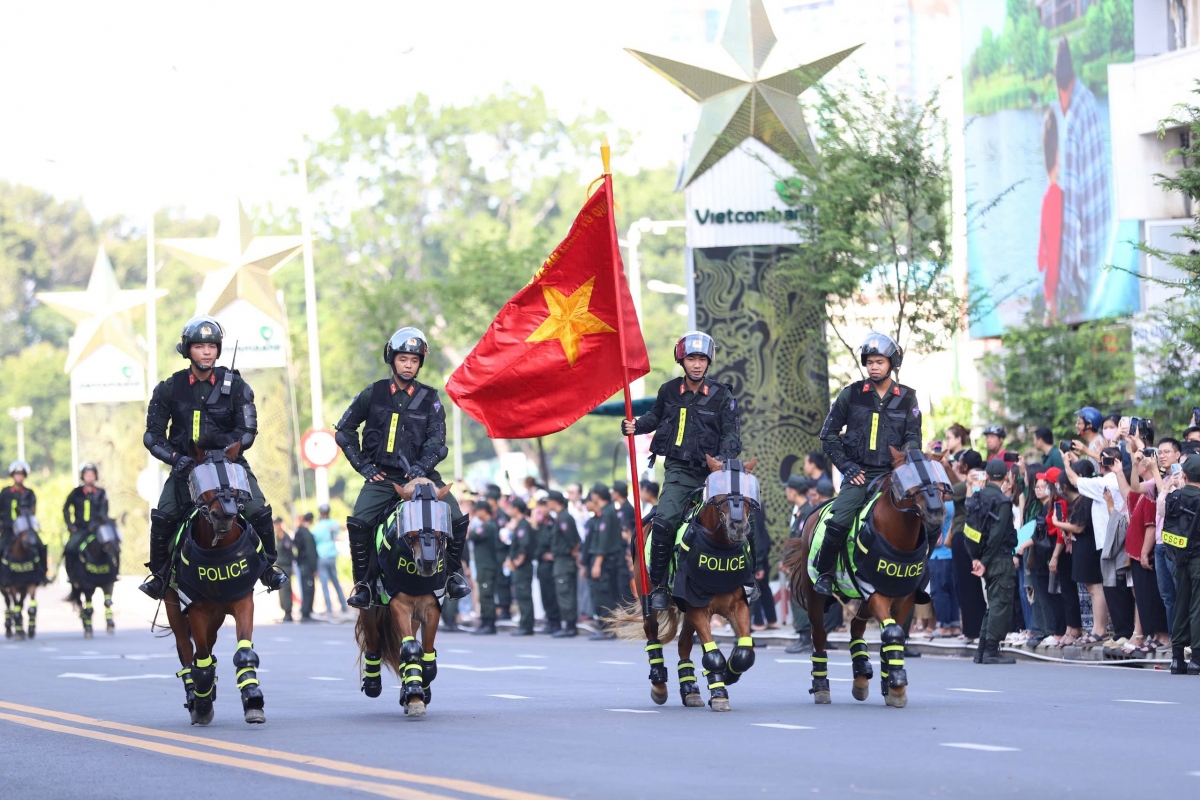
[(201, 403), (877, 414), (404, 437), (693, 417)]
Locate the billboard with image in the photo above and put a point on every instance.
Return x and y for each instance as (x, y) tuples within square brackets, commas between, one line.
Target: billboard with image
[(1042, 230)]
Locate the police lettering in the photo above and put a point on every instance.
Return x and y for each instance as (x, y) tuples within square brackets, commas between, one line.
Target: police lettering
[(731, 564), (894, 570), (21, 566), (98, 569), (223, 573)]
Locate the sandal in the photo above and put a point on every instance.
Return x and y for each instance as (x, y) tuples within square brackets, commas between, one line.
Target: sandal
[(1068, 640), (1089, 639), (1144, 650)]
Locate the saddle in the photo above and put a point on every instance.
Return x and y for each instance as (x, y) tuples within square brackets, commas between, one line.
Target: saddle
[(222, 575), (868, 564)]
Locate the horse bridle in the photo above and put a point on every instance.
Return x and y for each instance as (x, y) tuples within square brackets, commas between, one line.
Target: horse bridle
[(226, 494), (933, 491), (738, 502), (430, 541)]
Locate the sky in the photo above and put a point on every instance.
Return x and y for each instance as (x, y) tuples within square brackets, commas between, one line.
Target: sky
[(132, 106)]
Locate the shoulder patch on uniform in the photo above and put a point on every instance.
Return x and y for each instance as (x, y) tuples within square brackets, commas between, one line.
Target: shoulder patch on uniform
[(916, 411), (437, 405), (521, 533), (562, 526), (732, 404), (601, 526)]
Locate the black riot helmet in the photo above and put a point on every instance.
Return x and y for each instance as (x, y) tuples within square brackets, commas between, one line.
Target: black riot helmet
[(200, 330), (880, 344), (405, 340), (85, 466), (695, 343)]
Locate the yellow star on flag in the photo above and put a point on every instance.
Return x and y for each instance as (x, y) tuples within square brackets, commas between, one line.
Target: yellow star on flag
[(569, 320)]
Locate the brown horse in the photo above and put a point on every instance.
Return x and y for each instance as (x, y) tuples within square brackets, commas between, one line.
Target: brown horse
[(94, 565), (216, 562), (900, 516), (411, 564), (21, 573), (723, 526)]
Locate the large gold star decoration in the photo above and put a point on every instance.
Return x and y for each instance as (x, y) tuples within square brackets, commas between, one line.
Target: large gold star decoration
[(734, 109), (238, 264), (99, 313), (569, 320)]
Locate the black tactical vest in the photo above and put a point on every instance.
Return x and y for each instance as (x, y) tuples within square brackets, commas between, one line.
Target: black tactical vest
[(870, 430), (191, 420), (1179, 522), (690, 432), (391, 436)]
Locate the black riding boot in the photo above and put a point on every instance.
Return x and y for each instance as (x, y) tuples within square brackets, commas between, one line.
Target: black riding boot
[(456, 585), (359, 536), (835, 540), (273, 578), (1178, 662), (161, 528), (992, 654), (979, 649), (660, 559)]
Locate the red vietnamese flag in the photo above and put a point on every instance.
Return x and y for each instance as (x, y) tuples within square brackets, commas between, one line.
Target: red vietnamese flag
[(553, 352)]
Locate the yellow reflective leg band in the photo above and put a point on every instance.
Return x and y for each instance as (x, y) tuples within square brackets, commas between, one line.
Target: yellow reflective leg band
[(204, 662), (392, 432), (745, 641), (655, 651), (682, 425), (820, 661), (429, 656), (196, 425), (251, 681), (412, 673), (245, 643), (717, 685), (710, 646), (889, 648), (886, 622), (686, 678), (874, 429), (408, 639)]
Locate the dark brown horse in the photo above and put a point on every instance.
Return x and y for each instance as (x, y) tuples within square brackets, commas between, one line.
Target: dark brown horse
[(412, 557), (900, 516), (725, 523), (21, 573), (93, 565), (216, 551)]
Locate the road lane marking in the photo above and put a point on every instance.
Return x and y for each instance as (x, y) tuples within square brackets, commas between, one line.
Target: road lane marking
[(841, 680), (509, 696), (987, 748), (1150, 702), (620, 663), (320, 678), (453, 784), (631, 710), (487, 669), (809, 661), (531, 656), (974, 691), (90, 676), (458, 651), (110, 657), (781, 726)]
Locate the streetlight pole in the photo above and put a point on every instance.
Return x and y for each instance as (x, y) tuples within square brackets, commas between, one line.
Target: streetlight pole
[(20, 414), (633, 240), (316, 391)]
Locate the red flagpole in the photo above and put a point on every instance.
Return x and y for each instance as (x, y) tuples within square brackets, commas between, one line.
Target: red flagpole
[(643, 576)]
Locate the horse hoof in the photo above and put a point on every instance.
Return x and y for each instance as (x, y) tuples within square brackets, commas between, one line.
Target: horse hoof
[(896, 700), (88, 634), (202, 718), (693, 701), (861, 692), (658, 693), (719, 703), (415, 708), (822, 698), (32, 634), (255, 716)]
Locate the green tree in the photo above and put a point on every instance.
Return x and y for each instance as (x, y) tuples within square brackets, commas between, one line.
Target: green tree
[(1043, 374), (1098, 30), (1121, 14)]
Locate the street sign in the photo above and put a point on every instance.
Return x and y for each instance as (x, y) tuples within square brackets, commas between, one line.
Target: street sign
[(318, 448)]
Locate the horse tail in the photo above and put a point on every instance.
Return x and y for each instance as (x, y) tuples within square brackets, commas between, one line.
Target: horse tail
[(627, 623), (375, 626), (75, 596), (795, 564)]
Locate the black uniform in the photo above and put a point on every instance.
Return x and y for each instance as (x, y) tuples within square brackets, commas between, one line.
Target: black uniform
[(306, 563), (545, 571), (604, 539), (85, 508), (564, 545), (524, 543), (1180, 535), (489, 556), (15, 501), (993, 545)]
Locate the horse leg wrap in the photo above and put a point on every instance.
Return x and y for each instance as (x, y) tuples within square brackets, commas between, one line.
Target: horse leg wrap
[(108, 612), (412, 687), (245, 660), (204, 678), (741, 659), (33, 616), (85, 614), (372, 681), (410, 650), (428, 673), (658, 666), (189, 687), (891, 654), (861, 659), (820, 672), (687, 679), (714, 670)]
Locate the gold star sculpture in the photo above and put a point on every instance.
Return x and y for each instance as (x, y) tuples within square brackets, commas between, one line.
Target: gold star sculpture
[(99, 313), (239, 265), (569, 320), (734, 108)]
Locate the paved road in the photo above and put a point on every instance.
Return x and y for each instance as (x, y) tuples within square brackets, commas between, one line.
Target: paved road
[(522, 718)]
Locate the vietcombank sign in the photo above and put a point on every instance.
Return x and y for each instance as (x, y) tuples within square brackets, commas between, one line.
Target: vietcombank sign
[(741, 200), (730, 217)]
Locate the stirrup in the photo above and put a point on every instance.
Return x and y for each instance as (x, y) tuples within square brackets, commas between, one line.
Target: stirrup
[(155, 587), (361, 598)]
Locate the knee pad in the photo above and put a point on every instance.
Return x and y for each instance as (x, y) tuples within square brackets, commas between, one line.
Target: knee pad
[(714, 660), (357, 529), (659, 532), (32, 609), (428, 667), (160, 522), (410, 650), (108, 601), (458, 528), (742, 657)]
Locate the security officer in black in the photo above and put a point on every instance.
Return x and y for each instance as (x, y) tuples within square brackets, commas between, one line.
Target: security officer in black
[(990, 543), (520, 564), (1181, 535), (564, 547), (86, 507), (605, 546), (543, 526), (404, 438), (202, 402), (16, 500), (693, 417), (877, 414), (485, 544)]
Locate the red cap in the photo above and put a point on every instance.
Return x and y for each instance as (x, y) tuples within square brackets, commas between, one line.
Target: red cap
[(1052, 475)]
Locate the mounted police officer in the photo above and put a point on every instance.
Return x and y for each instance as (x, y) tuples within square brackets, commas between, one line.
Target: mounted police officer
[(86, 507), (877, 414), (404, 437), (693, 417), (201, 402), (15, 501)]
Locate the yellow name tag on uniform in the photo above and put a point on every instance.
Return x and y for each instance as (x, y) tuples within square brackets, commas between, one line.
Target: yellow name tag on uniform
[(874, 429), (972, 534), (392, 432), (196, 425), (1174, 539), (682, 425)]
